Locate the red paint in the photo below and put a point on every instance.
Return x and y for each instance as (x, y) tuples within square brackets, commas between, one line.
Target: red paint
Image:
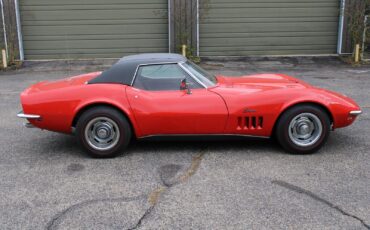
[(176, 112), (223, 109)]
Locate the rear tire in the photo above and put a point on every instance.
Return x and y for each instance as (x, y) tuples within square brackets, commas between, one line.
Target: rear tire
[(103, 132), (303, 129)]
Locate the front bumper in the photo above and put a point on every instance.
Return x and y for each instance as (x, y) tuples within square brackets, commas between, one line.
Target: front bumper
[(355, 112), (28, 116)]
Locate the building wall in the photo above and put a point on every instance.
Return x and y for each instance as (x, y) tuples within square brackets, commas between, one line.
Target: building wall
[(71, 29), (268, 27)]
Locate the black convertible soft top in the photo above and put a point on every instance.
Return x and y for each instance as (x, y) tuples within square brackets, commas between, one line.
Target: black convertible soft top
[(124, 70)]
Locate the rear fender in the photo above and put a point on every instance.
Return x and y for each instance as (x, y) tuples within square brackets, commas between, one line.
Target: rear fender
[(121, 106)]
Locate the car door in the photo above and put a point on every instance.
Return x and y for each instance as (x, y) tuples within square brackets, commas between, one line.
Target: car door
[(161, 108)]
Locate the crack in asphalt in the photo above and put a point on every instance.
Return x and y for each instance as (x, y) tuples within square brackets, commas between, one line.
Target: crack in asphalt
[(318, 198), (138, 224), (57, 219), (154, 196)]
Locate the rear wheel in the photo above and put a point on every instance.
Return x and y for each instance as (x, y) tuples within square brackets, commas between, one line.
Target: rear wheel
[(303, 129), (103, 132)]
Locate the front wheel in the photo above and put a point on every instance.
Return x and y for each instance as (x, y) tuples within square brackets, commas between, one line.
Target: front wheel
[(303, 129), (103, 132)]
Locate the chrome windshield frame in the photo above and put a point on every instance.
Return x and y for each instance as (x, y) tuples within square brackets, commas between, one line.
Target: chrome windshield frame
[(181, 64)]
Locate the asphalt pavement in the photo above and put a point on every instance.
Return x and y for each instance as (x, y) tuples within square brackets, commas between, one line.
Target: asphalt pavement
[(48, 182)]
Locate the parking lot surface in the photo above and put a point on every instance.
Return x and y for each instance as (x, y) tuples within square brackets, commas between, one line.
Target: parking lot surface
[(48, 182)]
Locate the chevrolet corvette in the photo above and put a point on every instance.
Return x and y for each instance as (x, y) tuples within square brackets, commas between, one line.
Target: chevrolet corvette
[(150, 96)]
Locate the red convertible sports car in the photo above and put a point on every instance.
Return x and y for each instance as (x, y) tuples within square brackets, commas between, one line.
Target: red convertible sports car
[(165, 95)]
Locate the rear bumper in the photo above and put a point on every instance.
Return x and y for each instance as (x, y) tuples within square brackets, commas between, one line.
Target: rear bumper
[(28, 116)]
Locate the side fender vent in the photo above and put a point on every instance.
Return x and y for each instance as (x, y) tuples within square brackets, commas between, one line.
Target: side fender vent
[(246, 123)]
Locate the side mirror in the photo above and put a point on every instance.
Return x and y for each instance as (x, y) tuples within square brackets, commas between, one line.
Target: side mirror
[(185, 86)]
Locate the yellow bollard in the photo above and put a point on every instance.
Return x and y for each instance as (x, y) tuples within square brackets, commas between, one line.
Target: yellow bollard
[(357, 53), (5, 61), (184, 50)]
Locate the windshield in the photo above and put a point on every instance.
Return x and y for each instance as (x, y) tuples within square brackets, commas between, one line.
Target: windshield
[(206, 78)]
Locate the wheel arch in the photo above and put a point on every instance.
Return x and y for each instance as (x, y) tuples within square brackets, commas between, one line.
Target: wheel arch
[(312, 103), (86, 107)]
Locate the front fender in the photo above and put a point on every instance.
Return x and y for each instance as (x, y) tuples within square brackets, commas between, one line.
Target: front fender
[(338, 106)]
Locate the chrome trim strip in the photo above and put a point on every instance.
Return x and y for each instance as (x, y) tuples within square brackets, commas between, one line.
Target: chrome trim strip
[(191, 75), (355, 112), (203, 135), (28, 116)]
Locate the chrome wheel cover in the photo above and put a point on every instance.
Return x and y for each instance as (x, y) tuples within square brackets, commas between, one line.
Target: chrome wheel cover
[(102, 133), (305, 129)]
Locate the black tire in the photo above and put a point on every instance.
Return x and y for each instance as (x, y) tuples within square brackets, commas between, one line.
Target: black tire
[(115, 122), (288, 140)]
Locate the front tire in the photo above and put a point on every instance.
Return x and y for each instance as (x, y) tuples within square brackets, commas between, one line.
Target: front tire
[(103, 132), (303, 129)]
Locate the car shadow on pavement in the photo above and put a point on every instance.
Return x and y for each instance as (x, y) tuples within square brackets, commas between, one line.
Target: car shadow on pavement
[(68, 145), (221, 146)]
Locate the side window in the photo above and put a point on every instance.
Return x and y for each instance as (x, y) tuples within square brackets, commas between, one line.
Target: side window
[(162, 77)]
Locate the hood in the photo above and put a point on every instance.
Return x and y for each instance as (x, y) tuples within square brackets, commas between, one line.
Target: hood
[(268, 80), (63, 83)]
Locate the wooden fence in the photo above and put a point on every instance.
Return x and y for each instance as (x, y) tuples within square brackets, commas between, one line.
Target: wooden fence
[(351, 7), (183, 25), (11, 35)]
